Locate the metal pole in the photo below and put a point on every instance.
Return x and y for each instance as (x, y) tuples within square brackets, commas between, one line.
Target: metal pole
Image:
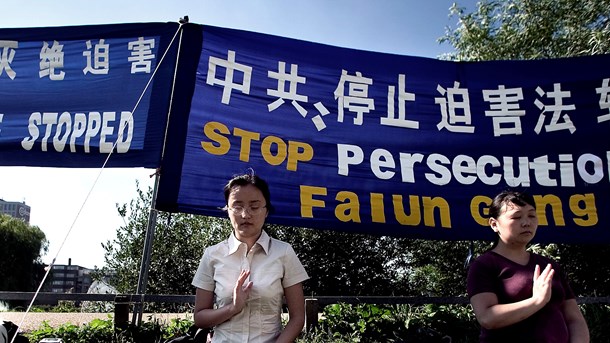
[(145, 262), (152, 215)]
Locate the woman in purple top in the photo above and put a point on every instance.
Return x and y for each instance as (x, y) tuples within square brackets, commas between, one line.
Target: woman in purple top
[(516, 295)]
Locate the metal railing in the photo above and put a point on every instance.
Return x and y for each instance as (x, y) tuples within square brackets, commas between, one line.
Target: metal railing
[(313, 304)]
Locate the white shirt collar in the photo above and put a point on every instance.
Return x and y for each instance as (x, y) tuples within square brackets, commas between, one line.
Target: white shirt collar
[(264, 241)]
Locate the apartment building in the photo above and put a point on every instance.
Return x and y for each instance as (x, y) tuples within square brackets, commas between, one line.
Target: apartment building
[(15, 209), (69, 278)]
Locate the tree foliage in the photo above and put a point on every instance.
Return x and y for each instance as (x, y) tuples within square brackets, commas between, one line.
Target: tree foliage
[(338, 263), (584, 264), (179, 241), (20, 256), (352, 264), (530, 29)]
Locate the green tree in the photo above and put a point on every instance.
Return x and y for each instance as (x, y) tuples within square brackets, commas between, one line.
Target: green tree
[(338, 263), (587, 272), (20, 256), (529, 29), (537, 29), (179, 241), (438, 268), (341, 263)]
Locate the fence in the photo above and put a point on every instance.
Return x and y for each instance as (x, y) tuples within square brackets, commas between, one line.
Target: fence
[(313, 304)]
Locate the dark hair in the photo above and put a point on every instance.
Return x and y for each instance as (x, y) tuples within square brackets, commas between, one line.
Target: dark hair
[(509, 196), (249, 179)]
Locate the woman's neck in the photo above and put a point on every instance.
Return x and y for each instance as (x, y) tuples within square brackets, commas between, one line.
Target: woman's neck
[(250, 241), (515, 254)]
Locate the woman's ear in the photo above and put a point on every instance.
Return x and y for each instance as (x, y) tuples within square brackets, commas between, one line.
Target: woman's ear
[(493, 223)]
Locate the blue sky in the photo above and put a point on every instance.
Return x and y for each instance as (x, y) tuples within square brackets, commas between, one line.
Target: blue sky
[(78, 213)]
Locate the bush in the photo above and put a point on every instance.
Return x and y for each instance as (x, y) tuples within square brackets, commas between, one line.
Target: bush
[(597, 316), (103, 330), (340, 323), (395, 323), (420, 323)]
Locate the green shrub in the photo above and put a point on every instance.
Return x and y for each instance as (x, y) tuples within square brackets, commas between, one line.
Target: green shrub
[(98, 330), (103, 330), (365, 321), (65, 306), (340, 323), (395, 323), (597, 316)]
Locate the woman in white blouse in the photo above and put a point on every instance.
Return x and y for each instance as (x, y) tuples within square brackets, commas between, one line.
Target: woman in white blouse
[(241, 281)]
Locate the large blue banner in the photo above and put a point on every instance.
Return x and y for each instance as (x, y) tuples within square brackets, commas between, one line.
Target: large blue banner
[(393, 145), (69, 96)]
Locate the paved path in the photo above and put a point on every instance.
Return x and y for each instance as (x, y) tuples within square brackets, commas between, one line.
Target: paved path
[(33, 320)]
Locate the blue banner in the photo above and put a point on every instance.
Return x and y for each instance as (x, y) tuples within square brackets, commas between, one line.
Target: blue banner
[(69, 96), (393, 145)]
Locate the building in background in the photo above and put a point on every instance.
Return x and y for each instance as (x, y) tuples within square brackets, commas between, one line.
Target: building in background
[(15, 209), (69, 278)]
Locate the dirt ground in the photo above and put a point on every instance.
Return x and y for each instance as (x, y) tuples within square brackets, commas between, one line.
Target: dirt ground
[(33, 320)]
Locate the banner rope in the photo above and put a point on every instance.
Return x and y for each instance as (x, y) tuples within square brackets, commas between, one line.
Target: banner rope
[(119, 137)]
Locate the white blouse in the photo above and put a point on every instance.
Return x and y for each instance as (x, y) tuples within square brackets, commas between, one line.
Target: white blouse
[(273, 266)]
